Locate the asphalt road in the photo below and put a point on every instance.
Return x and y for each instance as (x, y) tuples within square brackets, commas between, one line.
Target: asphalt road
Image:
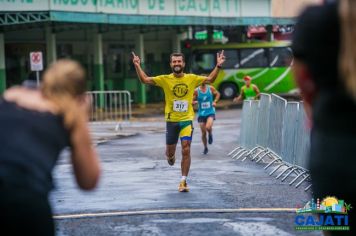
[(137, 194)]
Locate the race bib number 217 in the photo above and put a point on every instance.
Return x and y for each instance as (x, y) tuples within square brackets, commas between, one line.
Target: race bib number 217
[(180, 106)]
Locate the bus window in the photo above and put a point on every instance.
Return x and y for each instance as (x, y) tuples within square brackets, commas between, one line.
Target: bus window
[(203, 62), (232, 59), (280, 57), (253, 57)]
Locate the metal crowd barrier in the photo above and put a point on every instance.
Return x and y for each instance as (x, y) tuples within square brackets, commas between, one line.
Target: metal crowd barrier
[(263, 120), (245, 130), (110, 106), (274, 132)]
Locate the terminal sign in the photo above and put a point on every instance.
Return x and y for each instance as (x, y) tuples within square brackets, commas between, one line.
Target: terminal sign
[(36, 61), (206, 8)]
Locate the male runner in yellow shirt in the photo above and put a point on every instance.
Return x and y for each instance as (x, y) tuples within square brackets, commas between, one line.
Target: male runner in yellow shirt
[(178, 89)]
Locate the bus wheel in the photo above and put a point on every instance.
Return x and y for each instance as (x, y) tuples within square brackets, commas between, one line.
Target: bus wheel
[(228, 90)]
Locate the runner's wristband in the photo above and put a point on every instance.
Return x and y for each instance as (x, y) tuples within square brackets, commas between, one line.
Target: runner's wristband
[(218, 67)]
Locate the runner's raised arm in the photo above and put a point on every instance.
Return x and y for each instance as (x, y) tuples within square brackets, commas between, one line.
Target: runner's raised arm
[(140, 73), (220, 59)]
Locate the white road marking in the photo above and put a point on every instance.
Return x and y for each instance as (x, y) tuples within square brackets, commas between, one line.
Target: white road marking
[(255, 229), (175, 211)]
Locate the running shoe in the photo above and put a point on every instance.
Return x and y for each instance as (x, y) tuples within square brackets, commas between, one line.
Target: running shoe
[(210, 139), (183, 187), (171, 160), (205, 151)]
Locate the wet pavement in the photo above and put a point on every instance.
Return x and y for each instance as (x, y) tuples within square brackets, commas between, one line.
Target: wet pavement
[(137, 194)]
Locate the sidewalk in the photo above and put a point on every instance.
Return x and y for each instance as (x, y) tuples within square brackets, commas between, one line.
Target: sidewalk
[(104, 132)]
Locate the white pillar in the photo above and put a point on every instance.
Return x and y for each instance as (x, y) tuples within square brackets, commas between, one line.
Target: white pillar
[(190, 32), (51, 46), (176, 42)]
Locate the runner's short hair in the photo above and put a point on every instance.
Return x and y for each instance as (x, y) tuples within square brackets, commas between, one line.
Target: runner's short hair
[(176, 54)]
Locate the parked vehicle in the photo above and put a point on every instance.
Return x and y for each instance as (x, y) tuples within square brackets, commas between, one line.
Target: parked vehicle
[(268, 63)]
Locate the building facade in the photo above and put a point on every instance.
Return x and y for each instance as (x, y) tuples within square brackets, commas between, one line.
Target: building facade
[(101, 34)]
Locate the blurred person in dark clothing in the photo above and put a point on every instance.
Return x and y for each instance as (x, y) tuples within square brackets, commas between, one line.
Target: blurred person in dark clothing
[(36, 125), (325, 70)]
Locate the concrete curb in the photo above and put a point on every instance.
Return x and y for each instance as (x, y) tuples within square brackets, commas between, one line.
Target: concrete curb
[(104, 139)]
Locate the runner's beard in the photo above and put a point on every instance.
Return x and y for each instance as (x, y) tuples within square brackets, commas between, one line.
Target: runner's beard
[(177, 69)]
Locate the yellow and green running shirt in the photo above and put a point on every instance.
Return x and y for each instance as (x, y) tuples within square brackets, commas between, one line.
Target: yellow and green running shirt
[(178, 93)]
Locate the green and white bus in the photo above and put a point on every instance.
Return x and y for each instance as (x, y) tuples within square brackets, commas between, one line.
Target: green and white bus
[(267, 63)]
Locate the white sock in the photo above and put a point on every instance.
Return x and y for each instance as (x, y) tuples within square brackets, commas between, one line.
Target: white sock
[(184, 178)]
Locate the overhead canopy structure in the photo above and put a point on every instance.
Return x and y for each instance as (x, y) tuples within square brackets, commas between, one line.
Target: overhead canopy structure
[(141, 12)]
